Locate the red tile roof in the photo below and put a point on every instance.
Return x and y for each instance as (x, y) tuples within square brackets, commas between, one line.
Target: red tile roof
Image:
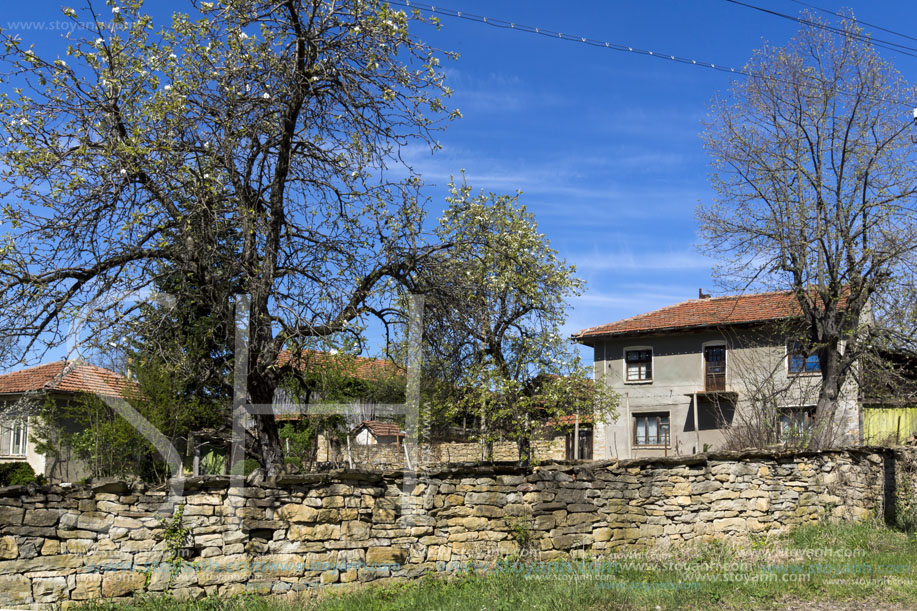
[(65, 376), (569, 419), (360, 367), (698, 313), (383, 429)]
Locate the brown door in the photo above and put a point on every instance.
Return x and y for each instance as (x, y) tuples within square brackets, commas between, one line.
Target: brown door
[(714, 368)]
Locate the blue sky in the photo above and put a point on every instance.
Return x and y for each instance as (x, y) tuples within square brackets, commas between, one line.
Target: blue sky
[(604, 145)]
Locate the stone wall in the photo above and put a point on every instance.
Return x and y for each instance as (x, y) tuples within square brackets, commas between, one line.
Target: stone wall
[(437, 454), (295, 533)]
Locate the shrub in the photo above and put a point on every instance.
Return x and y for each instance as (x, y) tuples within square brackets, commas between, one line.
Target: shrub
[(18, 474)]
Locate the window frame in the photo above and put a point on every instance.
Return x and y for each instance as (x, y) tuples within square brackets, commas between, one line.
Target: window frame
[(651, 362), (793, 349), (658, 415), (805, 422), (23, 444), (713, 343)]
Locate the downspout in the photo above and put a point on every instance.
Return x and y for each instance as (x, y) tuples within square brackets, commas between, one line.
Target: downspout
[(696, 427)]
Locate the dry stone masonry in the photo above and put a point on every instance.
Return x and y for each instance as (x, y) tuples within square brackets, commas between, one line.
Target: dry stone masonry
[(295, 533)]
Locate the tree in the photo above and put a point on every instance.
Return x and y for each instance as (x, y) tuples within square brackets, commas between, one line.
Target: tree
[(496, 303), (245, 150), (815, 179)]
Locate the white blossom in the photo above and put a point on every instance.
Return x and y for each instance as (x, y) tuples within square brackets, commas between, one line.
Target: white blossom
[(115, 10), (266, 95)]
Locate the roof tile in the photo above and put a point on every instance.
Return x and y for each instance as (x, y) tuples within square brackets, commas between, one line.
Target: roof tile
[(697, 313), (65, 376)]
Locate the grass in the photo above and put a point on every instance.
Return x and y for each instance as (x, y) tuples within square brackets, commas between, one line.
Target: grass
[(867, 562)]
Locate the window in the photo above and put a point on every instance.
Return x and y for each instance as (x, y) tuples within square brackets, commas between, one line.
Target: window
[(793, 423), (800, 361), (715, 368), (14, 438), (639, 365), (651, 429)]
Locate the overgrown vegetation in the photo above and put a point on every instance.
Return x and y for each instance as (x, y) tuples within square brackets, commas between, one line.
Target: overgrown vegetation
[(92, 431)]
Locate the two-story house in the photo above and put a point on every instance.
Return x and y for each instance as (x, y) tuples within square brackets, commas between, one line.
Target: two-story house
[(698, 374)]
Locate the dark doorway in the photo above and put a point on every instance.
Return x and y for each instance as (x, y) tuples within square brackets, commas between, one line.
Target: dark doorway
[(585, 444)]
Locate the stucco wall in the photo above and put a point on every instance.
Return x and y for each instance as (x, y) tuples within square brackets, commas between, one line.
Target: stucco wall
[(752, 354), (297, 533)]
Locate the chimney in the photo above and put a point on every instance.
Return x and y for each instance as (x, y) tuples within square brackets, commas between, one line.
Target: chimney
[(702, 295)]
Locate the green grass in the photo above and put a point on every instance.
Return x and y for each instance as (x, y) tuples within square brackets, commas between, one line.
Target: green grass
[(701, 577)]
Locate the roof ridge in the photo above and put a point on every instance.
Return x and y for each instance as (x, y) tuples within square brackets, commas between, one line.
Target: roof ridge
[(68, 366)]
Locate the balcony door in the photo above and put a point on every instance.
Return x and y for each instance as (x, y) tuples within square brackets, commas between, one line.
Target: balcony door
[(714, 368)]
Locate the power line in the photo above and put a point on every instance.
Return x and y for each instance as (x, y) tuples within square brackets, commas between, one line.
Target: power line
[(843, 16), (882, 44), (511, 25)]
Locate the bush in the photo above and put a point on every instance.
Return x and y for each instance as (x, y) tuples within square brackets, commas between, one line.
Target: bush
[(18, 474)]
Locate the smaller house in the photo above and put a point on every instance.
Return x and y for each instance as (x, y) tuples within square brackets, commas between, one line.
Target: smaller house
[(372, 432), (22, 392)]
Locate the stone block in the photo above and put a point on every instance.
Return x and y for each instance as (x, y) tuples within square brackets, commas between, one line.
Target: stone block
[(41, 517), (15, 590), (8, 548), (297, 513), (10, 516), (49, 589), (386, 555), (88, 587)]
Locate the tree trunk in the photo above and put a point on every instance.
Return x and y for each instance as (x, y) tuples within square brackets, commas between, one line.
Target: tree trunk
[(270, 449), (825, 425), (267, 436)]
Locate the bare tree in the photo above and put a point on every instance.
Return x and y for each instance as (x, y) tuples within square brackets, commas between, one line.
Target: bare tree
[(815, 179), (773, 405), (241, 150)]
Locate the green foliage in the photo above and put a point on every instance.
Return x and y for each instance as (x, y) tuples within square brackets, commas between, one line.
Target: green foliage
[(301, 438), (92, 431), (212, 463), (497, 303), (238, 149), (521, 531), (18, 474), (176, 537)]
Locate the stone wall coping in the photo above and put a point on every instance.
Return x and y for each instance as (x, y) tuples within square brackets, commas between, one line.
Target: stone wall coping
[(468, 469)]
